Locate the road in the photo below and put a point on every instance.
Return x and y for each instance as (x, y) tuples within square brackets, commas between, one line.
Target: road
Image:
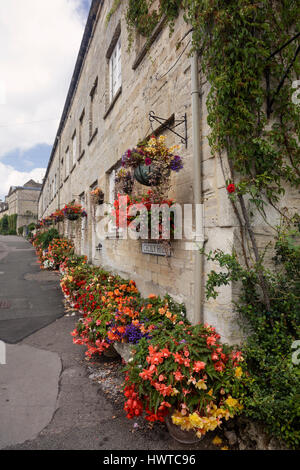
[(47, 400)]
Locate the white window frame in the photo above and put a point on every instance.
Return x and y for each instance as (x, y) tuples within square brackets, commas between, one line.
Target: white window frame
[(115, 70)]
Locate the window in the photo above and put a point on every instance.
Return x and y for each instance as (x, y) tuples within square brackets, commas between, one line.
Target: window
[(92, 105), (67, 167), (115, 73), (74, 148), (61, 170), (80, 133)]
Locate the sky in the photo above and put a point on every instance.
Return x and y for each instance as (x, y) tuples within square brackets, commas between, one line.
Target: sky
[(39, 43)]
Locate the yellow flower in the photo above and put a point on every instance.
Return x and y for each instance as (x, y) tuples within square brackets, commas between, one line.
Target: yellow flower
[(174, 392), (238, 372), (210, 392), (224, 448), (232, 402), (195, 420), (201, 385), (217, 441)]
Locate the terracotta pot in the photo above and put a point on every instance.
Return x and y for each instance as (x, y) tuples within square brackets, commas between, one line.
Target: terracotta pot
[(183, 437)]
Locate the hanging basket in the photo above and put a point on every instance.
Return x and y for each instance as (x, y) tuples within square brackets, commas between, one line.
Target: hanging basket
[(97, 199), (148, 175), (72, 216), (47, 223)]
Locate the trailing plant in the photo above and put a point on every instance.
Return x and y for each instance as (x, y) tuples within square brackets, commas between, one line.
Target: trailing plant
[(273, 394)]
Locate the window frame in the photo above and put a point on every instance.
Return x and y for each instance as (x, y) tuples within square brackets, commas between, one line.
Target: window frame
[(115, 69)]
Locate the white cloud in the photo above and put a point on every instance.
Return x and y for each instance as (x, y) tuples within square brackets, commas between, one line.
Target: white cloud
[(11, 177), (39, 45)]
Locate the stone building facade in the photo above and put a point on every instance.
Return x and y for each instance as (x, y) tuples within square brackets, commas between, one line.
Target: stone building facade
[(23, 201), (105, 114)]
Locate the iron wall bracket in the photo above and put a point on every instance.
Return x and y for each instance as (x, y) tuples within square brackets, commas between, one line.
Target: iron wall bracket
[(177, 122)]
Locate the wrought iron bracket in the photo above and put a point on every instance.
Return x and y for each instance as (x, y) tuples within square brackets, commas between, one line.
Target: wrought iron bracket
[(164, 123), (270, 100)]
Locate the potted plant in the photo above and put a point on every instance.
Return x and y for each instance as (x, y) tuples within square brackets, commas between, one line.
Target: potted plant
[(146, 201), (124, 181), (58, 216), (184, 373), (152, 161), (47, 221), (97, 196), (73, 211)]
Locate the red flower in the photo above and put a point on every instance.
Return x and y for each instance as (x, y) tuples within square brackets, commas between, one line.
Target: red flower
[(231, 188)]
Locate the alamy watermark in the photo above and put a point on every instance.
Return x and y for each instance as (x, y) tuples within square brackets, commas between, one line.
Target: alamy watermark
[(296, 354), (296, 94), (150, 221), (2, 353)]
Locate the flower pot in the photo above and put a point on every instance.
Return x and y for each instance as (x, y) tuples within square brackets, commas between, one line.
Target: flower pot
[(110, 352), (148, 175), (72, 216), (98, 200), (179, 435)]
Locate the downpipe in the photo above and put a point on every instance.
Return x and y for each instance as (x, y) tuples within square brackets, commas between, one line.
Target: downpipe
[(198, 190)]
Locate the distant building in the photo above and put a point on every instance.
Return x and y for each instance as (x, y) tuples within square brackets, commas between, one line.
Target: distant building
[(23, 201), (3, 208)]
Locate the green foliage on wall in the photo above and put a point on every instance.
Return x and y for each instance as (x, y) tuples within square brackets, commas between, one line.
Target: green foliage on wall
[(8, 225)]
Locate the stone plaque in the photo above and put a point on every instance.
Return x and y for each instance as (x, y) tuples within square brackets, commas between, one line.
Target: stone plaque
[(153, 249)]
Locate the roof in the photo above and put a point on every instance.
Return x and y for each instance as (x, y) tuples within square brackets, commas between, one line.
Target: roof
[(87, 35), (31, 185)]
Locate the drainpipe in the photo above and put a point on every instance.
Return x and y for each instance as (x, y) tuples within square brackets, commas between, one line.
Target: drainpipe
[(198, 190)]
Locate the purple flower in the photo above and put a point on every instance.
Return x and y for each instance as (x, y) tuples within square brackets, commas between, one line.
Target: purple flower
[(176, 164)]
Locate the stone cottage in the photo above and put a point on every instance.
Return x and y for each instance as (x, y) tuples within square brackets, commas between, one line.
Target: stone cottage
[(23, 201), (107, 108)]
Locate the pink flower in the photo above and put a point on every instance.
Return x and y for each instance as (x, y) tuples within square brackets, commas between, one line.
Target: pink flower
[(199, 365), (148, 161)]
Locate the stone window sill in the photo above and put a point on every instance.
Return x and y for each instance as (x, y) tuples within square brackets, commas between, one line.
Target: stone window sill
[(113, 102), (93, 136)]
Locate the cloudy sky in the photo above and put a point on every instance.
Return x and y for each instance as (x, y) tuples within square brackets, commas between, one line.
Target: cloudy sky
[(39, 45)]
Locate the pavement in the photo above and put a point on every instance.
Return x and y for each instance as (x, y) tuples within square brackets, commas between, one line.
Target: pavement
[(47, 398)]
